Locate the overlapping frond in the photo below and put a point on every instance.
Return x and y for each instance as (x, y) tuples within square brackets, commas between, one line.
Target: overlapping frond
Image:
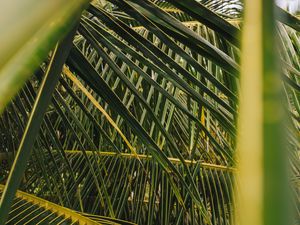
[(29, 209)]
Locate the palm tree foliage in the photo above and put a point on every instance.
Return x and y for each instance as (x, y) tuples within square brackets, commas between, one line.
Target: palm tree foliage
[(29, 209), (142, 123)]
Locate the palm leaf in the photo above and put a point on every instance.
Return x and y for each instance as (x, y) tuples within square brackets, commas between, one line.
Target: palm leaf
[(29, 209)]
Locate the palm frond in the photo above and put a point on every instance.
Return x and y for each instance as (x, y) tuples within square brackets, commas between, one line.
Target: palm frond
[(29, 209)]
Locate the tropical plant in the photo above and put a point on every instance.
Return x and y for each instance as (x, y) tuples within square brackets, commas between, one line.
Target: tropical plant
[(133, 114)]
